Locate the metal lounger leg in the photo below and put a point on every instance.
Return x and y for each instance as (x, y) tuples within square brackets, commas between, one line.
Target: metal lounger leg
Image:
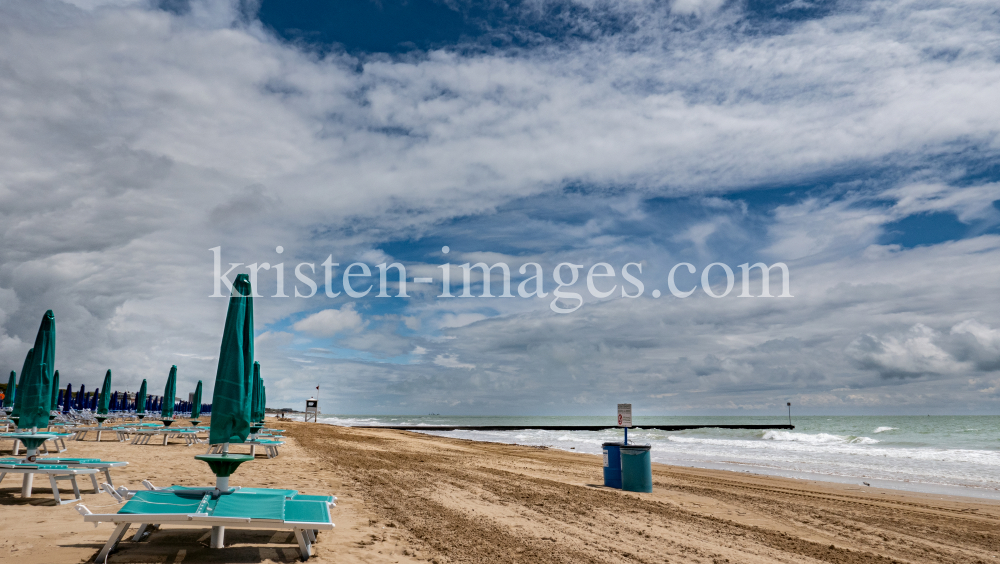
[(116, 536), (97, 488), (76, 487), (107, 474), (165, 437), (253, 450), (140, 532), (218, 537), (305, 547), (2, 476), (55, 489)]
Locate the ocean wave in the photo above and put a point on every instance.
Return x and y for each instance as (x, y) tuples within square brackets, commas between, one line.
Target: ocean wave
[(817, 439), (886, 429)]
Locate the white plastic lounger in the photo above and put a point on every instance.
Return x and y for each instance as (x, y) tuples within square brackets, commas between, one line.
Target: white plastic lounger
[(330, 500), (202, 510), (270, 447), (144, 436), (57, 440), (104, 466), (55, 473)]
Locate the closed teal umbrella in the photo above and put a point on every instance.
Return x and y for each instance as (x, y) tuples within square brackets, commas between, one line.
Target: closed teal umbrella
[(8, 399), (169, 394), (234, 377), (140, 399), (20, 382), (257, 408), (233, 389), (196, 404), (104, 401), (54, 401), (35, 394)]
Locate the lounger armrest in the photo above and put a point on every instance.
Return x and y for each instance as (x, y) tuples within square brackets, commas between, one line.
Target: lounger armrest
[(311, 525), (220, 520), (88, 516)]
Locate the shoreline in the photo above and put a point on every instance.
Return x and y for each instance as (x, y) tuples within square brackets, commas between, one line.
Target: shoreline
[(916, 486), (412, 497)]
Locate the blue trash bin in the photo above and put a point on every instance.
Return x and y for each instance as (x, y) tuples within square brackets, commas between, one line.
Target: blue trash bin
[(612, 465), (637, 473)]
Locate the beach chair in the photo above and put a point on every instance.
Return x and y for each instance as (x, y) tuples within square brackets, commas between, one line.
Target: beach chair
[(270, 447), (330, 500), (102, 466), (57, 440), (55, 472), (305, 518)]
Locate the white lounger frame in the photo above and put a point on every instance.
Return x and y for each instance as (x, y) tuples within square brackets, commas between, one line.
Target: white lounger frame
[(43, 448), (144, 436), (54, 474), (271, 448), (305, 533)]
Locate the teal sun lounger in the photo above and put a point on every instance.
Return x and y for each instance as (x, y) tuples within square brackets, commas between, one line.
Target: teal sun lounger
[(202, 509)]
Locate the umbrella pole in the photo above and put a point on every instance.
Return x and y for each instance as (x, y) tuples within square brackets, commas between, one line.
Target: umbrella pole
[(222, 482), (29, 479), (222, 485)]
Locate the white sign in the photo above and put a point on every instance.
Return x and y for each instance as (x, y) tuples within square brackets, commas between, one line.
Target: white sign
[(624, 415)]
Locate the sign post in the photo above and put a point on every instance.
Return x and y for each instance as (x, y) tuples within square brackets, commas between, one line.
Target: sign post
[(625, 417)]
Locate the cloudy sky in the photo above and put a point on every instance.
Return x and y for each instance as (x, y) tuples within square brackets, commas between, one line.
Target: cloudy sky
[(854, 141)]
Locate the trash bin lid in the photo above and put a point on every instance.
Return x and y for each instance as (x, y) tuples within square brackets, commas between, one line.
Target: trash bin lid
[(611, 444), (636, 448)]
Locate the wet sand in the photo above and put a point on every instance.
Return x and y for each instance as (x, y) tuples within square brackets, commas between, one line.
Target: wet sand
[(407, 497)]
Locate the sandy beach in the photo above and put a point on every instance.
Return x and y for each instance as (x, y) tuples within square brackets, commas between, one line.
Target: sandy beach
[(407, 497)]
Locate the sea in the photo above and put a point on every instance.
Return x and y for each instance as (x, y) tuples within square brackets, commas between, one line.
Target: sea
[(954, 455)]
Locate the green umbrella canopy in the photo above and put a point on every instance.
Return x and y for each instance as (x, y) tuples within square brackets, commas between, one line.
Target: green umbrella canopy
[(104, 401), (54, 399), (256, 411), (8, 399), (196, 404), (169, 394), (36, 388), (20, 382), (140, 398), (263, 401), (234, 377)]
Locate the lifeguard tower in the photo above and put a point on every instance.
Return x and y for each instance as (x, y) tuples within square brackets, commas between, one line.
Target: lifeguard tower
[(312, 409)]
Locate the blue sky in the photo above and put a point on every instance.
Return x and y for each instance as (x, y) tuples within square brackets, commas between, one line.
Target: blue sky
[(854, 141)]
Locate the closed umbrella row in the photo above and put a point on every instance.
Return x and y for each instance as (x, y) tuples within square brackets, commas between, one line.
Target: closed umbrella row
[(105, 401), (239, 395)]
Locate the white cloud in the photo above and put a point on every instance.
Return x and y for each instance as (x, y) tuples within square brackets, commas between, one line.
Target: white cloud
[(329, 322), (451, 361), (452, 320)]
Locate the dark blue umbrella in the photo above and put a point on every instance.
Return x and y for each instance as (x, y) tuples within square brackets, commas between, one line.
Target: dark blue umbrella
[(68, 398), (81, 397)]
